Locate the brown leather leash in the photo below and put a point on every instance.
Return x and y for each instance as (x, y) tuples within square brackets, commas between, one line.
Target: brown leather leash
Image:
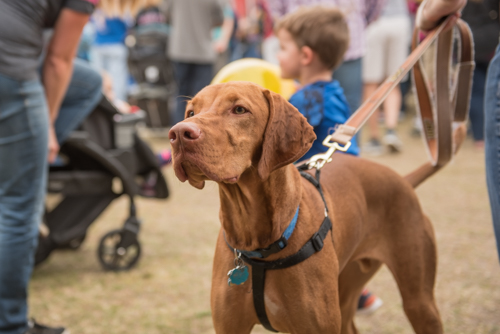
[(438, 114)]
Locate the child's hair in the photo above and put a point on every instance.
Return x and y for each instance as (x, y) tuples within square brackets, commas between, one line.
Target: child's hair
[(323, 29)]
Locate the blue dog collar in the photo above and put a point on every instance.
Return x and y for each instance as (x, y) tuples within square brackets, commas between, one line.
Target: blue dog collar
[(276, 246)]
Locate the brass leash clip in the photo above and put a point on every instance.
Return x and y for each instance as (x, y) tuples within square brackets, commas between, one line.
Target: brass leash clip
[(319, 160)]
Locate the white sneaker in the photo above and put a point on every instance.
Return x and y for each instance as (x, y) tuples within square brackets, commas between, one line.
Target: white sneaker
[(393, 143)]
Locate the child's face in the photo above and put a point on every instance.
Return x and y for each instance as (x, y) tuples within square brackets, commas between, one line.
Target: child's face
[(289, 55)]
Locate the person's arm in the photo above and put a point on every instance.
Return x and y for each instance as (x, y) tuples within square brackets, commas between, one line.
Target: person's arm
[(166, 8), (226, 31), (217, 13), (431, 12), (58, 65)]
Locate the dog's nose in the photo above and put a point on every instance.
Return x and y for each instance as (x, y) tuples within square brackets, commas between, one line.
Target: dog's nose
[(184, 131)]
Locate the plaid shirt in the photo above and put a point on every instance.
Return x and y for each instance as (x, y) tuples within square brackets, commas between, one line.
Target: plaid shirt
[(359, 13)]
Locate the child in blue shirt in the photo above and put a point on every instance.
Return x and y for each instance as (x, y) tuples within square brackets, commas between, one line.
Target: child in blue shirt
[(313, 41)]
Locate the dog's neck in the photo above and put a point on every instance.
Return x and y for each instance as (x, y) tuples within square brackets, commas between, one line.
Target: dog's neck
[(254, 213)]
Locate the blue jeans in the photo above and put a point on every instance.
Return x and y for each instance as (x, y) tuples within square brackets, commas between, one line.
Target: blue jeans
[(23, 172), (476, 112), (241, 50), (492, 140), (83, 94), (349, 77), (190, 78)]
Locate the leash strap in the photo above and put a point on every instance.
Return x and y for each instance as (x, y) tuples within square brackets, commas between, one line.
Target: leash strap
[(437, 119)]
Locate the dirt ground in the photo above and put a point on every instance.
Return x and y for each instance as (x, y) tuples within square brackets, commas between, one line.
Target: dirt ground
[(169, 290)]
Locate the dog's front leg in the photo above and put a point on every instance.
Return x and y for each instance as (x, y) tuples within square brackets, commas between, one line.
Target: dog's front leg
[(232, 306), (229, 317)]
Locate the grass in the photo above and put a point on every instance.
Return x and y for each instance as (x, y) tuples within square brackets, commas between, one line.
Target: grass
[(169, 290)]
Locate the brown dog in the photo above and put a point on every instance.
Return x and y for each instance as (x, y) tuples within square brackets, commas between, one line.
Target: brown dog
[(245, 138)]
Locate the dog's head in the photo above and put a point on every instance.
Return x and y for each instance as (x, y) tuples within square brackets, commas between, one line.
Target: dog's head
[(232, 127)]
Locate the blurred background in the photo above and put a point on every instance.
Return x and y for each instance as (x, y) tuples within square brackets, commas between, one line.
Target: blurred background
[(141, 263)]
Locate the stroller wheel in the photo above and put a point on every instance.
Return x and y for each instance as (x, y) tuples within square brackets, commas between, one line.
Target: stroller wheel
[(119, 250)]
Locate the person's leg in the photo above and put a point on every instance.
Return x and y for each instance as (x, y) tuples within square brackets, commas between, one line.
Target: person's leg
[(238, 50), (397, 30), (97, 58), (253, 50), (23, 170), (476, 111), (202, 75), (117, 69), (373, 75), (392, 105), (83, 94), (373, 128), (349, 77), (492, 140), (182, 72)]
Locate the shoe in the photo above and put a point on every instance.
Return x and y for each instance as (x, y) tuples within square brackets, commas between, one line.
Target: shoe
[(393, 143), (368, 303), (416, 128), (36, 328), (373, 147), (164, 158)]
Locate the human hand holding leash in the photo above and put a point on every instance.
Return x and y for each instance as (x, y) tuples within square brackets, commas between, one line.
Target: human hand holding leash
[(431, 12)]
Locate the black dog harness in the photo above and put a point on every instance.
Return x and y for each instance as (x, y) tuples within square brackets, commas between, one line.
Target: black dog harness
[(313, 245)]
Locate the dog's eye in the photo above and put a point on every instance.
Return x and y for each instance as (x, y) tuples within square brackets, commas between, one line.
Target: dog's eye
[(239, 110), (190, 113)]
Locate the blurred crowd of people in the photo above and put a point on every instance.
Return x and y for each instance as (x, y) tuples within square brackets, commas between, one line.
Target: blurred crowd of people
[(202, 37)]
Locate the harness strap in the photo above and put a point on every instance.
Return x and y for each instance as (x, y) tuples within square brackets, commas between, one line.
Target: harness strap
[(258, 282), (314, 181), (259, 267), (313, 245)]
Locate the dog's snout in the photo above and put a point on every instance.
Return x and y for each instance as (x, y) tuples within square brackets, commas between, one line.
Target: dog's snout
[(184, 131)]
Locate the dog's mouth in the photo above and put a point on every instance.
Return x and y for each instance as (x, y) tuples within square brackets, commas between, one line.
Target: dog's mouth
[(189, 168)]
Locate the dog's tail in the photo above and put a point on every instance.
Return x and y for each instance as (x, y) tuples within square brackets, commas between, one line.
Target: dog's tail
[(423, 172)]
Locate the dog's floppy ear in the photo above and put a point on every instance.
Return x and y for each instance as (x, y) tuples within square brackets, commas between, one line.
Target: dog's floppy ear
[(288, 135)]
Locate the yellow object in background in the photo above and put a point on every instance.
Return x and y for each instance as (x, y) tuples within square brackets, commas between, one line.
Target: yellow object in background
[(257, 71)]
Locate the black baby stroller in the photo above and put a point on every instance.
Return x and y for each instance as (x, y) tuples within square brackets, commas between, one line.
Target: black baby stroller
[(153, 72), (104, 151)]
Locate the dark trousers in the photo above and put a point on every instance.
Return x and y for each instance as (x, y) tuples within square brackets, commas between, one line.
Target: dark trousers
[(190, 78)]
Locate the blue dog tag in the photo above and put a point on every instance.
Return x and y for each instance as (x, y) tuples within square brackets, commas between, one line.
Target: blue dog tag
[(237, 276)]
